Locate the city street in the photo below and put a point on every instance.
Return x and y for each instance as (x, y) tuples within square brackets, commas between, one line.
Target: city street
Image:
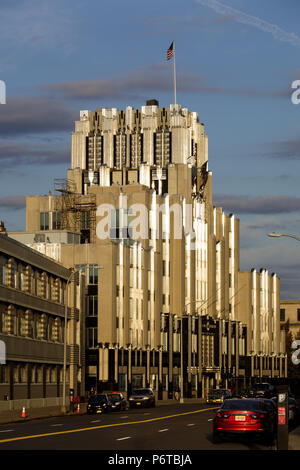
[(169, 427)]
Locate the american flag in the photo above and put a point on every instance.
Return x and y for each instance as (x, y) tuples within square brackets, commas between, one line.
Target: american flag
[(170, 51)]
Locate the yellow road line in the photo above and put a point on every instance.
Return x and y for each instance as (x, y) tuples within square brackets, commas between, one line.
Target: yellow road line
[(104, 426)]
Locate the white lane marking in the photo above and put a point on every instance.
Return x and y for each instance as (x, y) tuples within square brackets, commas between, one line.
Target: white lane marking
[(192, 424), (96, 421), (8, 430), (123, 438), (210, 419), (163, 430), (123, 417), (146, 414), (56, 424)]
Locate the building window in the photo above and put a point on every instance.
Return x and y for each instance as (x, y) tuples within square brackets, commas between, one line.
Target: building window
[(3, 374), (93, 274), (92, 338), (120, 223), (56, 220), (282, 314), (85, 220), (51, 330), (14, 275), (4, 269), (53, 376), (22, 276), (44, 221), (22, 324), (92, 306), (22, 374), (39, 374)]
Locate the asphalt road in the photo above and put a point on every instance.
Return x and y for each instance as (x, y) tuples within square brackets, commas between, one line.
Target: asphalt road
[(172, 427)]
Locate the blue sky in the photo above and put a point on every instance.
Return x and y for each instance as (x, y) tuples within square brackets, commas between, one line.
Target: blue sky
[(235, 64)]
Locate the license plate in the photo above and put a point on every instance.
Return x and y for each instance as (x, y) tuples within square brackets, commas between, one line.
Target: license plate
[(99, 411), (240, 418), (138, 403)]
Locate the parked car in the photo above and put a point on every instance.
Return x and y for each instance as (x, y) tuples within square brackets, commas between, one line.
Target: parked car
[(118, 401), (99, 403), (142, 397), (272, 410), (244, 394), (218, 395), (242, 417), (262, 390)]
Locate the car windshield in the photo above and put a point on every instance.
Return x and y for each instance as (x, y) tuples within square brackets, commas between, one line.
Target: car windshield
[(97, 399), (142, 391), (242, 405), (216, 393)]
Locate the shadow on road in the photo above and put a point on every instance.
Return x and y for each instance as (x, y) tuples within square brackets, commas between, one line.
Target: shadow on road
[(250, 442)]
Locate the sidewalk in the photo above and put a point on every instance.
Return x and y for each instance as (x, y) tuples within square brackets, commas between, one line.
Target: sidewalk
[(294, 439), (14, 416)]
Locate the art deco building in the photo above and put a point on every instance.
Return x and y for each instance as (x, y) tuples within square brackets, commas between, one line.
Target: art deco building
[(170, 305)]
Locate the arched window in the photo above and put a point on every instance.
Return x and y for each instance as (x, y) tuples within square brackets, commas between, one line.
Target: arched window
[(39, 374), (4, 269), (53, 376), (22, 323)]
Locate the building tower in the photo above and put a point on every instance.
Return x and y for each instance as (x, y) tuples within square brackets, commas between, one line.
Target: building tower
[(165, 309)]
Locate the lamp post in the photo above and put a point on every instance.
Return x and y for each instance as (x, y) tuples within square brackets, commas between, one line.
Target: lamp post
[(282, 391), (276, 235), (73, 272)]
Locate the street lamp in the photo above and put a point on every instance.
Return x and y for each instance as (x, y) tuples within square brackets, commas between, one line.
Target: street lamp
[(74, 271), (276, 235)]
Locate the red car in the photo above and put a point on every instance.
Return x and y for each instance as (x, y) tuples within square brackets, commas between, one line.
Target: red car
[(244, 416)]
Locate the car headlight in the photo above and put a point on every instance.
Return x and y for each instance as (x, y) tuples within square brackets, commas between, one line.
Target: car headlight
[(145, 398), (117, 403), (130, 399)]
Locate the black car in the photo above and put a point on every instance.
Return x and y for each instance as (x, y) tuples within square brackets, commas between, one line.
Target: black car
[(142, 397), (218, 395), (272, 411), (99, 404), (262, 390), (117, 400)]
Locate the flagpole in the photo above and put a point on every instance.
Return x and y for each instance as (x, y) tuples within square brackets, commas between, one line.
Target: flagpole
[(174, 63)]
